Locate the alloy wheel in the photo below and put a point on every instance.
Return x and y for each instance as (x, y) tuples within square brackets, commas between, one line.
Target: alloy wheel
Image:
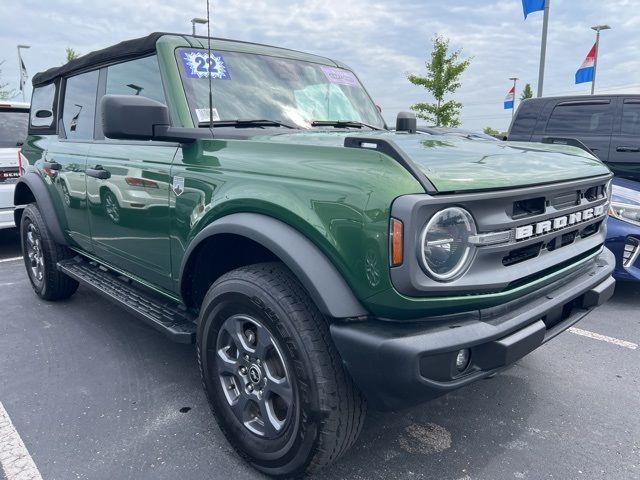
[(34, 253), (111, 207), (254, 376)]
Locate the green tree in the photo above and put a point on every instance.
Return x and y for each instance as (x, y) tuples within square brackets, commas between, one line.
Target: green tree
[(443, 77), (527, 92), (491, 131), (5, 92), (71, 54)]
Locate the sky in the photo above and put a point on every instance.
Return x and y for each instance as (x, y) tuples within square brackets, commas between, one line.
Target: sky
[(382, 41)]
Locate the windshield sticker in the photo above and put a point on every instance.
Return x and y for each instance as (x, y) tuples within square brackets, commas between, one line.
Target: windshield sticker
[(198, 64), (340, 76), (203, 115)]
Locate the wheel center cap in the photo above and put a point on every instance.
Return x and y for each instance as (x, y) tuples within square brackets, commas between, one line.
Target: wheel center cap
[(255, 374)]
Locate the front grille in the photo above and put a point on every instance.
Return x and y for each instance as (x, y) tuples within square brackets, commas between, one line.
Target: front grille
[(631, 251), (522, 234)]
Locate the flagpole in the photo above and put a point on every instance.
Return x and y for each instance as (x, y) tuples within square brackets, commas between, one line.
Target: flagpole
[(543, 47), (597, 28), (513, 106)]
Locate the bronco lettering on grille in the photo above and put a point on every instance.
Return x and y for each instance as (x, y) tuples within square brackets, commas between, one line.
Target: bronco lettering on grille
[(558, 223)]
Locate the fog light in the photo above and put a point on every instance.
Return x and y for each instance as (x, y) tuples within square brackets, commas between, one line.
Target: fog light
[(462, 359)]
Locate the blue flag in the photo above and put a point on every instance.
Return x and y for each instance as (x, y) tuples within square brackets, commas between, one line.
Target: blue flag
[(532, 6)]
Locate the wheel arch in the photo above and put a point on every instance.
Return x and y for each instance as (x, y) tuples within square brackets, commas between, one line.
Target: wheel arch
[(273, 239), (31, 188)]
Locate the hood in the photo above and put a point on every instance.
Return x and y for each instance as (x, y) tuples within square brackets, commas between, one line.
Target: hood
[(8, 157), (455, 164)]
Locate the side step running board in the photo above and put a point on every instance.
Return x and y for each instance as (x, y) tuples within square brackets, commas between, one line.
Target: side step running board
[(163, 315)]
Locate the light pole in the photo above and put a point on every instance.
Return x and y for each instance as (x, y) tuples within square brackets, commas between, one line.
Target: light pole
[(22, 70), (597, 28), (201, 21), (513, 108)]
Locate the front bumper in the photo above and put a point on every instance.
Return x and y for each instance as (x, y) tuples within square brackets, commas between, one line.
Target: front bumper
[(399, 364)]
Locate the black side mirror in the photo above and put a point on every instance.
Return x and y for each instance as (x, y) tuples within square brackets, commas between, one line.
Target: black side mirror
[(406, 122), (128, 117), (133, 117)]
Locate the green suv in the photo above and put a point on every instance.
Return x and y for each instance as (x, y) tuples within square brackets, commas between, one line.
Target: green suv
[(251, 199)]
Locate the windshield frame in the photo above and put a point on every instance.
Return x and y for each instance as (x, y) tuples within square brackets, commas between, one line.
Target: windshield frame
[(226, 49)]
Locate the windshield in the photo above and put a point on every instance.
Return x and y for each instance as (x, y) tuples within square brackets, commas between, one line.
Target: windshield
[(259, 87), (13, 127)]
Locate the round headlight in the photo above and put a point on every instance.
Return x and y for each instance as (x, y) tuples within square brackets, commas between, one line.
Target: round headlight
[(445, 249)]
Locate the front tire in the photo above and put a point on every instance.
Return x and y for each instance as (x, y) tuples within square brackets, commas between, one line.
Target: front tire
[(41, 254), (272, 375)]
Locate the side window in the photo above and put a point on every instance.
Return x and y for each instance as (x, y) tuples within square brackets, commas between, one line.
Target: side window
[(631, 118), (526, 118), (590, 118), (42, 103), (78, 112), (137, 77)]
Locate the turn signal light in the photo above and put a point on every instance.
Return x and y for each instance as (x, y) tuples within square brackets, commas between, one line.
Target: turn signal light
[(397, 242)]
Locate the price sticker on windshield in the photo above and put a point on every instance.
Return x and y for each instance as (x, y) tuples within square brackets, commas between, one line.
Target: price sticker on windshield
[(340, 76), (199, 64)]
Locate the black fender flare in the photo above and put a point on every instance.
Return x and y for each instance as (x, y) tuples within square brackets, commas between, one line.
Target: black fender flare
[(314, 270), (35, 184)]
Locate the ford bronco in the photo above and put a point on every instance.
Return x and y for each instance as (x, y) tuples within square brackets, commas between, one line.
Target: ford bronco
[(251, 199)]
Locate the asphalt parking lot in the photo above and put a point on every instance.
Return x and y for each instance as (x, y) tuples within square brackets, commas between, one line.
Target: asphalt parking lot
[(95, 394)]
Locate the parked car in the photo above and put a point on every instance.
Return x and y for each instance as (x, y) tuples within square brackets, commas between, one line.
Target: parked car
[(320, 262), (14, 118), (609, 126), (623, 235)]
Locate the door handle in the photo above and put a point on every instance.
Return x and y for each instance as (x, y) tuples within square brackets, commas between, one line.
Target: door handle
[(98, 172), (52, 165), (627, 149)]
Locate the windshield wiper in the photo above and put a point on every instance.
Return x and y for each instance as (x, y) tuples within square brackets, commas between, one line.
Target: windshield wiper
[(246, 123), (342, 124)]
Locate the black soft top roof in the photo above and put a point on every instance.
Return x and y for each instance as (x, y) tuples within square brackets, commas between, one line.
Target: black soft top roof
[(123, 50)]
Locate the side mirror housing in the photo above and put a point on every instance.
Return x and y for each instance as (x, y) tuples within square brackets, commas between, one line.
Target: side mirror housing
[(129, 117), (406, 122)]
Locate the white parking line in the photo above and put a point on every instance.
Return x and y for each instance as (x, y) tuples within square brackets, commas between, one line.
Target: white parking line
[(13, 259), (604, 338), (14, 456)]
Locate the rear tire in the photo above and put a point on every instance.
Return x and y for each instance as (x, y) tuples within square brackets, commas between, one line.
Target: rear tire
[(316, 411), (41, 254)]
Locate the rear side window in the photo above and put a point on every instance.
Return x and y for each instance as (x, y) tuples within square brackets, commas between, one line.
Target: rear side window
[(78, 112), (526, 118), (583, 118), (13, 127), (631, 118), (43, 107), (137, 77)]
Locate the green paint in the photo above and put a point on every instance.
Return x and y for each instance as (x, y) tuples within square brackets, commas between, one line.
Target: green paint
[(338, 197)]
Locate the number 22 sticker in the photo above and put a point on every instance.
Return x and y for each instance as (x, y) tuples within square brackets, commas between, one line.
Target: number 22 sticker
[(199, 64)]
